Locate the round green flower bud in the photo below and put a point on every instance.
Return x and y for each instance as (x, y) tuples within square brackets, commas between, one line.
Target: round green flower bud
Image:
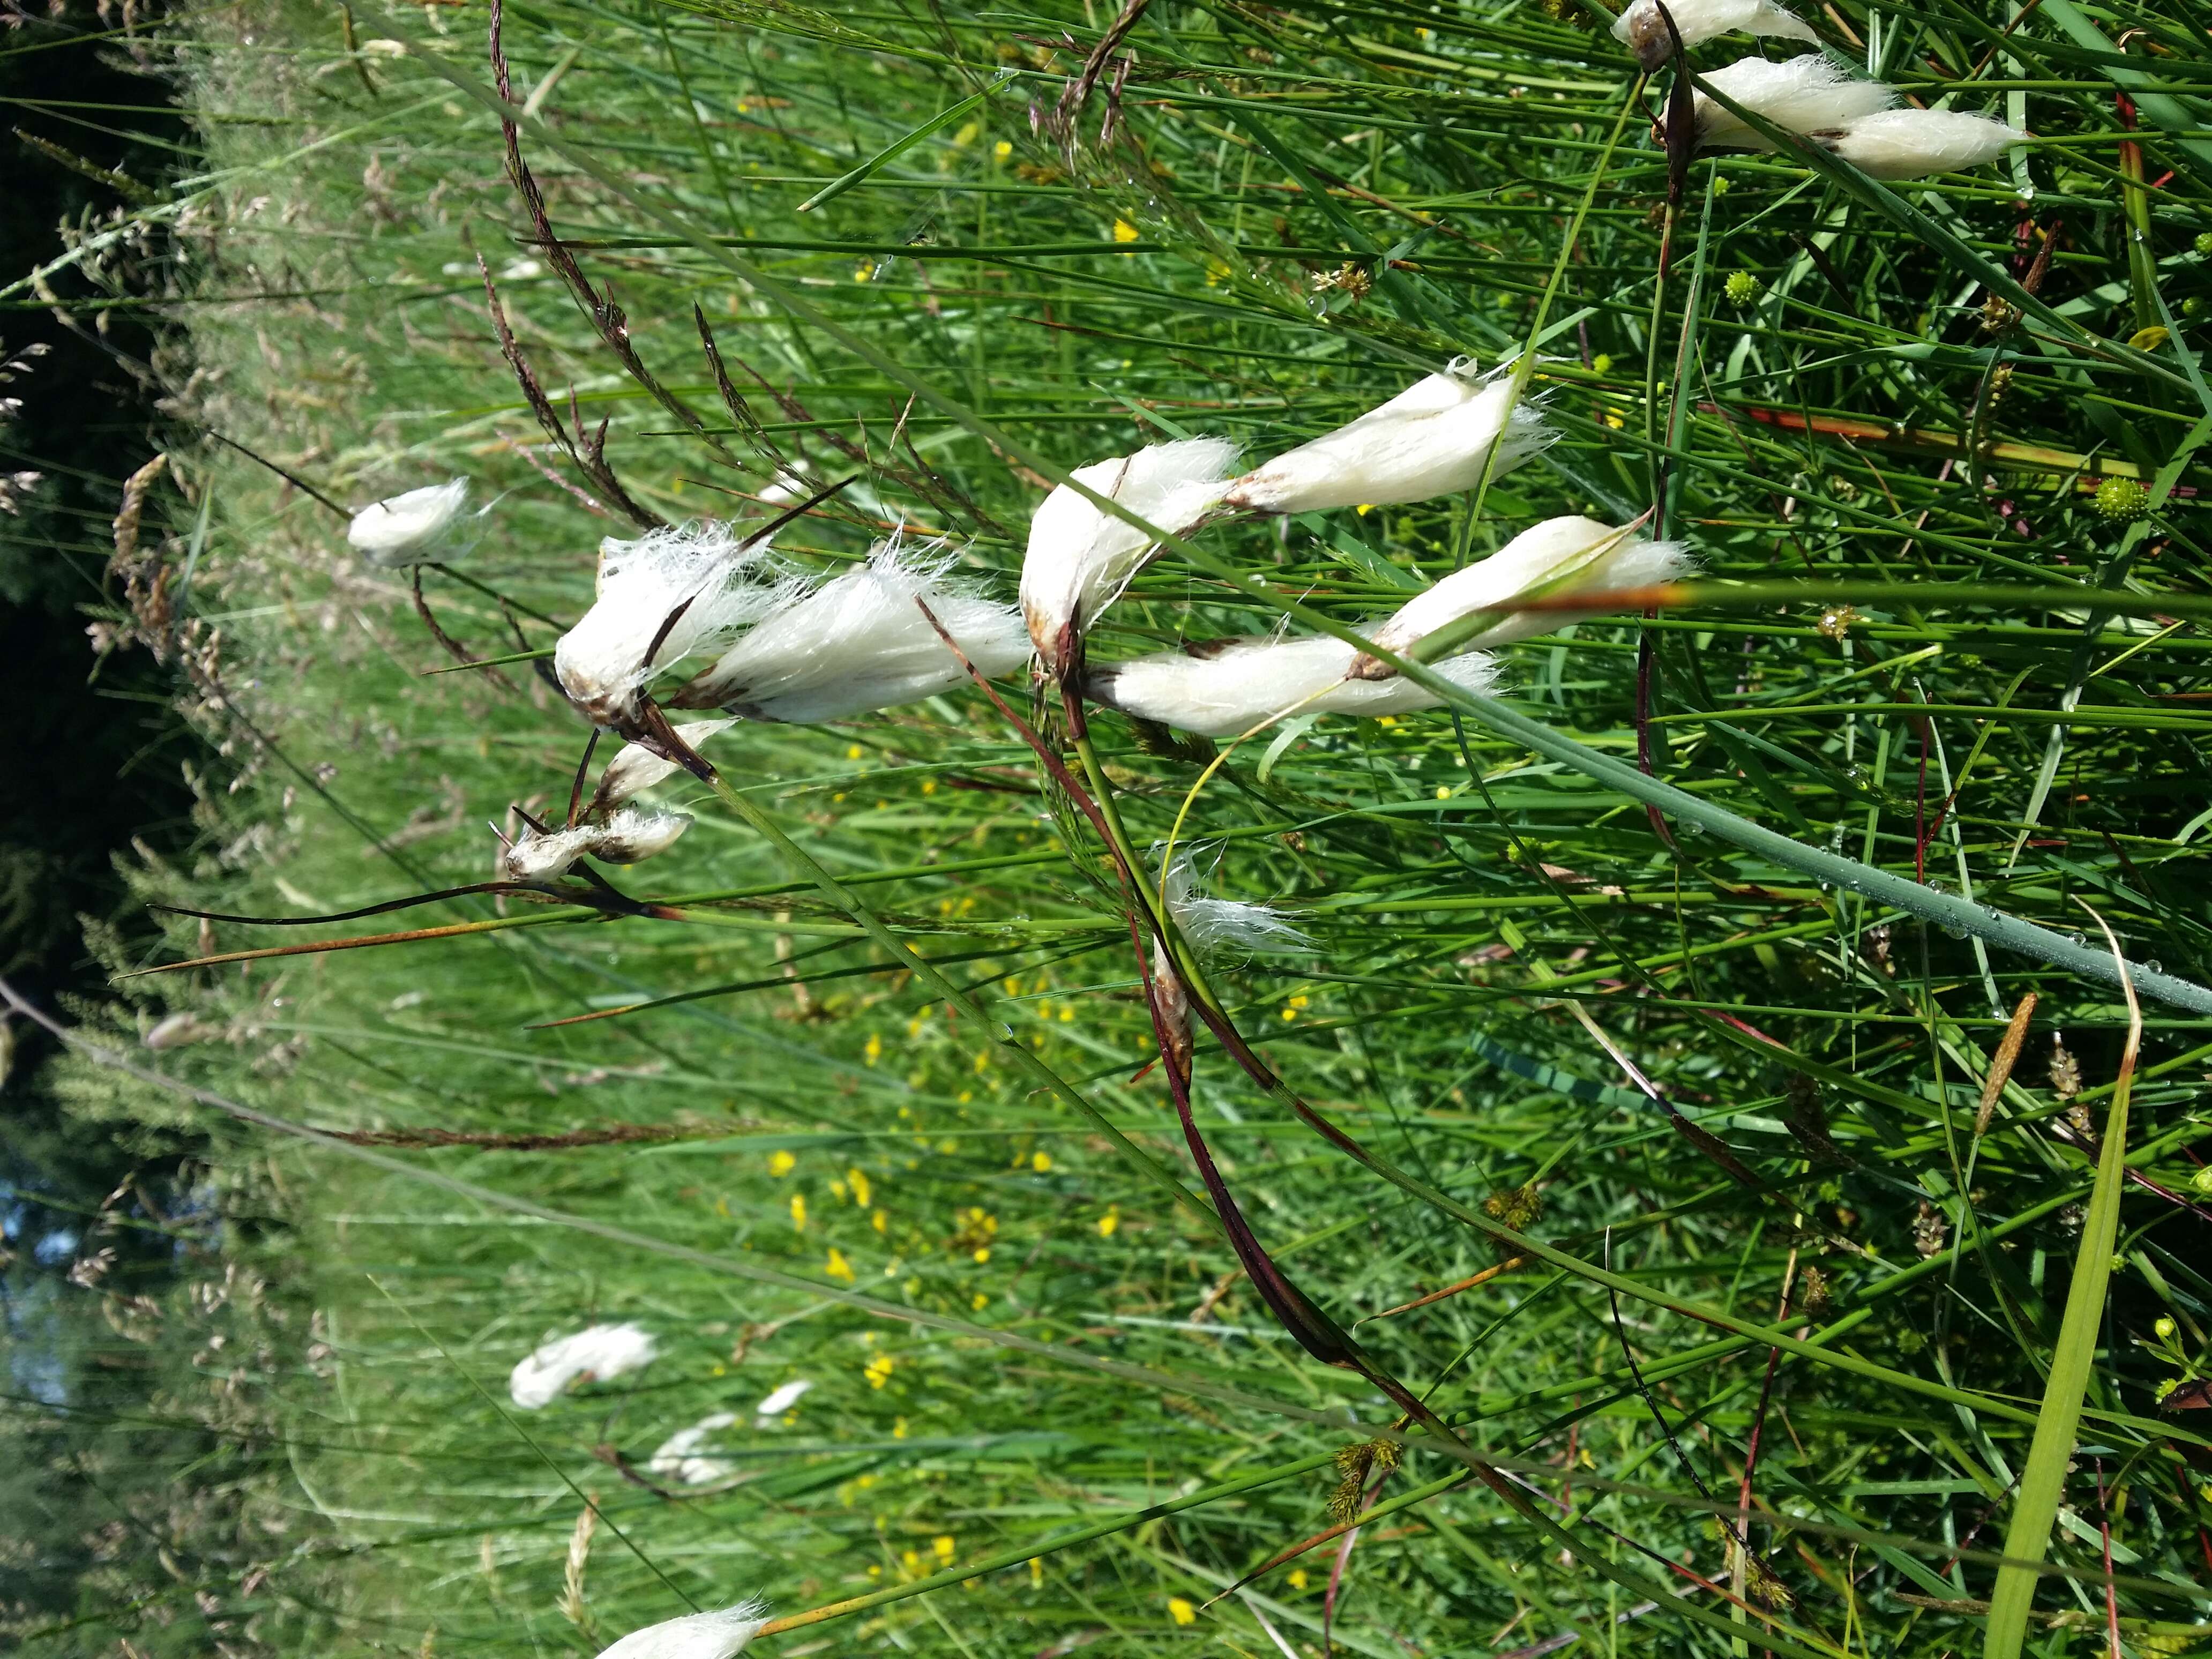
[(1743, 287), (2204, 244), (2122, 501)]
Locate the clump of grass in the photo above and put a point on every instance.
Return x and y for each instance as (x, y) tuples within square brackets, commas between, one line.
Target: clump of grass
[(1734, 1372)]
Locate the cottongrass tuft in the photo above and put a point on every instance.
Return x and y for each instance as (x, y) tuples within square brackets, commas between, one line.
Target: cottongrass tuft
[(1567, 557), (696, 1636), (1081, 558), (627, 837), (1223, 687), (412, 528), (1804, 94), (681, 1459), (859, 642), (635, 769), (1915, 143), (781, 1399), (667, 595), (597, 1352), (1644, 31), (1227, 928), (1435, 438)]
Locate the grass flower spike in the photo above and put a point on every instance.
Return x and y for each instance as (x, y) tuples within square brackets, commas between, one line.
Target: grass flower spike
[(698, 1636), (1565, 557), (628, 837), (1225, 688), (1809, 93), (858, 643), (412, 528), (679, 1458), (1643, 30), (598, 1351), (1914, 143), (1432, 439), (1081, 558), (660, 598)]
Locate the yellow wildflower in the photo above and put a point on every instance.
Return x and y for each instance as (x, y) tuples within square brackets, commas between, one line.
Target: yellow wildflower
[(839, 1268), (1182, 1611), (781, 1162), (945, 1547), (1041, 1161), (1124, 231), (1108, 1222), (861, 1189), (798, 1211)]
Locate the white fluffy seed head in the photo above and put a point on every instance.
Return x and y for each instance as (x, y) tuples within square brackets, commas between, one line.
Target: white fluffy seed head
[(782, 1400), (1803, 95), (1081, 558), (1225, 688), (635, 769), (1644, 31), (1915, 143), (860, 641), (600, 1352), (1226, 927), (1432, 439), (627, 836), (412, 528), (703, 575), (680, 1458), (697, 1636), (1559, 558)]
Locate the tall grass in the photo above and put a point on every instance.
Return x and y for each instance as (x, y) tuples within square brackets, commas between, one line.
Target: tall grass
[(1764, 1345)]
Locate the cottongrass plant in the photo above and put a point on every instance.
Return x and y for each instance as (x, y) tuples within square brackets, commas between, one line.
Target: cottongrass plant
[(1642, 27), (696, 1636), (1801, 94), (1225, 687), (1444, 433), (596, 1354), (627, 835), (418, 526)]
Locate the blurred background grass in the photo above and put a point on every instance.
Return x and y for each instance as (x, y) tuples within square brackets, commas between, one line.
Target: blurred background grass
[(290, 1435)]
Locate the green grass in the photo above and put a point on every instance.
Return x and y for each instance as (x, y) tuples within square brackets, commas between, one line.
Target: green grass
[(1028, 1356)]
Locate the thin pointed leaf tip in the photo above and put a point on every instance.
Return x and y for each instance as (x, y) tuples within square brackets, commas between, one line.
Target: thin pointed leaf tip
[(416, 527), (1564, 558), (859, 642), (1810, 94), (1435, 438), (670, 594), (1643, 29), (597, 1352), (696, 1636), (1225, 688), (1080, 557)]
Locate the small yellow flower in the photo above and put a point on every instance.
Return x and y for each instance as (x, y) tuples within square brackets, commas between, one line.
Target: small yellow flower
[(874, 1050), (982, 1062), (1067, 1013), (1298, 1579), (798, 1211), (861, 1189), (853, 752), (1443, 791), (982, 1255), (929, 785), (781, 1162), (966, 135), (837, 1190), (1124, 231), (899, 1429), (863, 273), (912, 1563), (878, 1369), (880, 1221), (1108, 1222), (945, 1547), (1002, 150), (839, 1268), (1182, 1611), (1041, 1161), (1037, 1572), (978, 1302), (1365, 508)]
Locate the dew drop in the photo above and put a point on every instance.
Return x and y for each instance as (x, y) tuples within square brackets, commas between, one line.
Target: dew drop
[(2155, 966), (2076, 940)]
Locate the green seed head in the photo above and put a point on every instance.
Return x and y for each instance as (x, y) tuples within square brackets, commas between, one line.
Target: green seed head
[(2204, 244), (1743, 287), (2122, 501)]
